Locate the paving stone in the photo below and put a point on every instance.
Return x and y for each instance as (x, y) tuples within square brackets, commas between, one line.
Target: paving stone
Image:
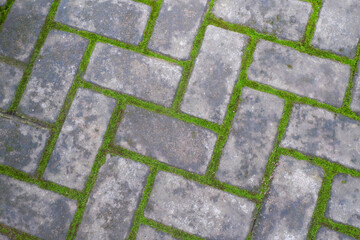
[(251, 139), (327, 234), (148, 233), (116, 195), (285, 19), (52, 75), (166, 139), (134, 74), (355, 102), (30, 209), (124, 20), (3, 237), (79, 140), (344, 202), (290, 202), (22, 28), (176, 27), (2, 2), (338, 28), (198, 209), (214, 75), (287, 69), (21, 145), (10, 77), (315, 131)]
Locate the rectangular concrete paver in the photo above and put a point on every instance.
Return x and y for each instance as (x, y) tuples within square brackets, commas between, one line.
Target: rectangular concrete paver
[(3, 237), (21, 145), (285, 19), (290, 202), (10, 77), (287, 69), (198, 209), (79, 140), (214, 75), (134, 74), (328, 234), (316, 131), (177, 26), (148, 233), (123, 20), (355, 102), (52, 75), (251, 139), (116, 195), (22, 28), (33, 210), (166, 139)]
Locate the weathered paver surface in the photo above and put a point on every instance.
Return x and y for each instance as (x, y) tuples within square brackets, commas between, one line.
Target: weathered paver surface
[(180, 119)]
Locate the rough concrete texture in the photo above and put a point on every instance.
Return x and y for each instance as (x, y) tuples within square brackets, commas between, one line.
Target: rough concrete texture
[(10, 77), (355, 102), (198, 209), (148, 233), (166, 139), (21, 145), (124, 20), (33, 210), (3, 237), (328, 234), (79, 140), (287, 69), (315, 131), (290, 202), (214, 75), (52, 75), (285, 19), (128, 72)]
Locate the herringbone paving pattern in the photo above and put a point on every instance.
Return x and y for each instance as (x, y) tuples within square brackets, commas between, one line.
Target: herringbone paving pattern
[(180, 119)]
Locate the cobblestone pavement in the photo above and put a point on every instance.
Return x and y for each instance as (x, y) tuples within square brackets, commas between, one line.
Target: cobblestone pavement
[(180, 119)]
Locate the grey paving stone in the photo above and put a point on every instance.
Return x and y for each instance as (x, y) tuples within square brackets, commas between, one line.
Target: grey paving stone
[(21, 145), (148, 233), (337, 29), (124, 20), (134, 74), (3, 237), (355, 102), (2, 2), (315, 131), (344, 202), (22, 28), (287, 69), (166, 139), (251, 139), (177, 26), (198, 209), (10, 77), (285, 19), (30, 209), (290, 202), (116, 195), (214, 75), (80, 138), (52, 75), (328, 234)]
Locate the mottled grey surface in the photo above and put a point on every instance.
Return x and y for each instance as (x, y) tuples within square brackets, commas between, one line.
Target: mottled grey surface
[(177, 26), (166, 139), (251, 139), (22, 28), (287, 69), (124, 20), (52, 75), (328, 234), (134, 74), (338, 29), (111, 207), (30, 209), (21, 145), (2, 2), (148, 233), (80, 138), (344, 202), (214, 75), (290, 201), (355, 102), (315, 131), (199, 209), (10, 77), (3, 237), (285, 19)]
